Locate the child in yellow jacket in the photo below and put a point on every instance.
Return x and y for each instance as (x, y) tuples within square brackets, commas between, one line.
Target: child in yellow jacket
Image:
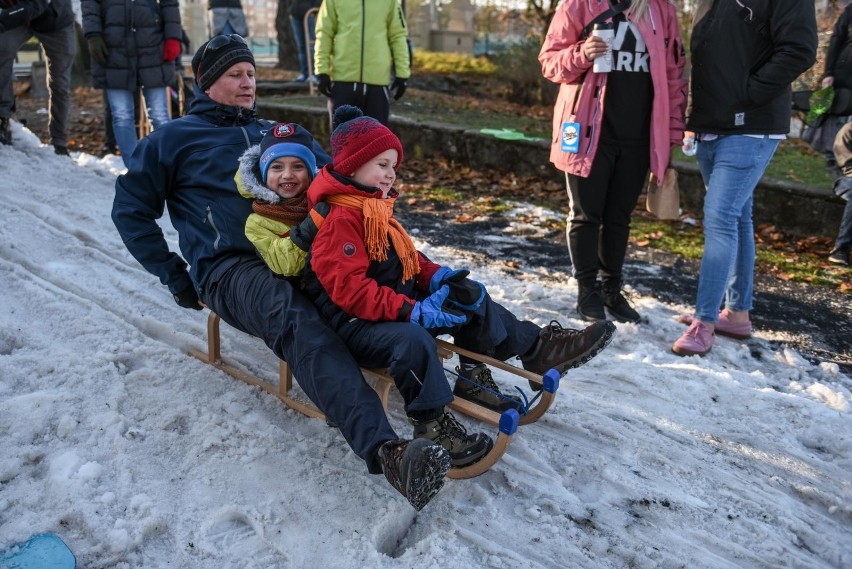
[(275, 175)]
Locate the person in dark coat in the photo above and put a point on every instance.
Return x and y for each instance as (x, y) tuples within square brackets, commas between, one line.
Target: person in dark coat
[(133, 45), (52, 23), (744, 59), (188, 166)]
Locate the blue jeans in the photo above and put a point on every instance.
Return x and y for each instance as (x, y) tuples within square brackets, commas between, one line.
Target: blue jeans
[(731, 166), (122, 104), (298, 27)]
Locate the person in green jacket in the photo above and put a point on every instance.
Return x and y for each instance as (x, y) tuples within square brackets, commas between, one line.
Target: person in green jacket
[(357, 45), (275, 175)]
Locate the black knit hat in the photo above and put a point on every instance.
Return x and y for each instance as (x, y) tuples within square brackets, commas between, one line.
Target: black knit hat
[(208, 64)]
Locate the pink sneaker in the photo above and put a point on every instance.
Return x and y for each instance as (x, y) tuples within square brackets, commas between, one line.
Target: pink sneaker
[(724, 327), (696, 341)]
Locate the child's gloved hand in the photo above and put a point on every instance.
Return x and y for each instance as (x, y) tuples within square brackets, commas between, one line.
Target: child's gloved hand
[(304, 234), (431, 312), (465, 294)]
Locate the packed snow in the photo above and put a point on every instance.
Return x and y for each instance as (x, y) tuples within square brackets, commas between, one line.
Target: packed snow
[(139, 455)]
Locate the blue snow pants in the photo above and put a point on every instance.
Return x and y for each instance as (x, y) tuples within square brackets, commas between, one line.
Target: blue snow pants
[(249, 297), (409, 352)]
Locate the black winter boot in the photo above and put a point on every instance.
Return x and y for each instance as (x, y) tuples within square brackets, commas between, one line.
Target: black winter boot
[(590, 304), (470, 384), (416, 468), (445, 430), (617, 304)]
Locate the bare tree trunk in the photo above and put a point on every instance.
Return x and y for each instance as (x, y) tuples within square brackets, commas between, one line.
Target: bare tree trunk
[(287, 57)]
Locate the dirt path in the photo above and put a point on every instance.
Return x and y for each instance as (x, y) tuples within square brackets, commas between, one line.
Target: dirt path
[(812, 319)]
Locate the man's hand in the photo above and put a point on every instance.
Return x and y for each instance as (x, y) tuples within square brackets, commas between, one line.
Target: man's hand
[(188, 298), (98, 49), (324, 84), (398, 87)]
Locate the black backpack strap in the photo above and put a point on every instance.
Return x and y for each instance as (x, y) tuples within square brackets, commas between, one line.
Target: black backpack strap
[(614, 9)]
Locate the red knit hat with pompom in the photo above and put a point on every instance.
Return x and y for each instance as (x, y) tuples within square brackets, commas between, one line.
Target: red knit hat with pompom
[(357, 139)]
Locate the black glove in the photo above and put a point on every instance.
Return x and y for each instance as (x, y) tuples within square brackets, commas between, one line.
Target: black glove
[(303, 234), (324, 84), (398, 87), (11, 18), (466, 294), (188, 298), (98, 49)]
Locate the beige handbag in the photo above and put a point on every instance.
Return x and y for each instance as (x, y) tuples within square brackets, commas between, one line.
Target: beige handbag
[(663, 200)]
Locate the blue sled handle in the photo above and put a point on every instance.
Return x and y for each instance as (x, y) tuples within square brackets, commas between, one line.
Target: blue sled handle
[(509, 421), (550, 381)]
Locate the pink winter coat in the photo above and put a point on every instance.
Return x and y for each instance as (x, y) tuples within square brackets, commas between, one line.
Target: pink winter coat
[(582, 92)]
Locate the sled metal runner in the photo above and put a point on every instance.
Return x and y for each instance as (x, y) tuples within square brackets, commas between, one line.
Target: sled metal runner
[(506, 422)]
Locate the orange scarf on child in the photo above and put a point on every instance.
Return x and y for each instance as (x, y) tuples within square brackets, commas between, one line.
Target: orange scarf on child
[(378, 224)]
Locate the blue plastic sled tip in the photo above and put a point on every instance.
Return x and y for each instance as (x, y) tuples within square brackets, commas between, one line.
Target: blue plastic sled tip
[(41, 551)]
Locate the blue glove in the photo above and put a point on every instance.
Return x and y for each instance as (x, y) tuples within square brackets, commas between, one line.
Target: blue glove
[(430, 312), (465, 294)]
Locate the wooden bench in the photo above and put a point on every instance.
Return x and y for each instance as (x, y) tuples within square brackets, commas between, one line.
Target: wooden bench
[(507, 422)]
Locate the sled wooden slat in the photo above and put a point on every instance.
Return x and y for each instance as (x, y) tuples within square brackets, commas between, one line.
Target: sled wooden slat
[(507, 422)]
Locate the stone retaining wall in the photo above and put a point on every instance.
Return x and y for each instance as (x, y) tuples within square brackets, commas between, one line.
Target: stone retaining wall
[(796, 208)]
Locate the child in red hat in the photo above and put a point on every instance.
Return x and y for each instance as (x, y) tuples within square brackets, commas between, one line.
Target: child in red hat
[(388, 301)]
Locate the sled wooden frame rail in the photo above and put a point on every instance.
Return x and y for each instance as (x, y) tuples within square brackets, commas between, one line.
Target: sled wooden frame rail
[(507, 422)]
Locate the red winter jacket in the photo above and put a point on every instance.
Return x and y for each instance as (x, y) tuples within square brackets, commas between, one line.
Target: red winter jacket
[(582, 92), (339, 276)]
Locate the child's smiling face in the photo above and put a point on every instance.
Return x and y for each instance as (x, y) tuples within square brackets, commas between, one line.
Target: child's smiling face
[(379, 172), (288, 177)]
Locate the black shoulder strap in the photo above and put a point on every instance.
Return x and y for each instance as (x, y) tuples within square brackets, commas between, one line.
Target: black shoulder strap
[(614, 9)]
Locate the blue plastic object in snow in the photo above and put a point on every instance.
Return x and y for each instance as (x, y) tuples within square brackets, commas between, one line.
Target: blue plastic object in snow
[(42, 551)]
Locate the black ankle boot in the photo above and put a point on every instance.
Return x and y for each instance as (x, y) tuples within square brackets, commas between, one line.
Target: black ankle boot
[(617, 304), (590, 305)]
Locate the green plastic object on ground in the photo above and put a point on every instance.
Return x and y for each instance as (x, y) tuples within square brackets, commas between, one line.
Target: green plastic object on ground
[(508, 134), (41, 551)]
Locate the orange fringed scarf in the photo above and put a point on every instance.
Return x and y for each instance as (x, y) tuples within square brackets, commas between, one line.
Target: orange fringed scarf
[(378, 224)]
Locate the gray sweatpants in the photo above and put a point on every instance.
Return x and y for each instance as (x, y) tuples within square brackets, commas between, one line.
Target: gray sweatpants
[(59, 47)]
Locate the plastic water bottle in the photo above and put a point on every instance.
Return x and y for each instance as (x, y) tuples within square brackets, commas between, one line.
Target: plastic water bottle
[(605, 30)]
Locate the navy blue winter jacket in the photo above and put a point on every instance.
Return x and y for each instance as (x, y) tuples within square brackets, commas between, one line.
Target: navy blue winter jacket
[(189, 164)]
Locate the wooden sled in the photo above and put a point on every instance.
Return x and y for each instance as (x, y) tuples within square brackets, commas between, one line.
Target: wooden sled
[(507, 422)]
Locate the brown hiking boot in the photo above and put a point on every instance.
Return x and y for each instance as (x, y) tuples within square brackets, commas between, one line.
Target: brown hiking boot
[(416, 468), (563, 348), (445, 430), (477, 386)]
